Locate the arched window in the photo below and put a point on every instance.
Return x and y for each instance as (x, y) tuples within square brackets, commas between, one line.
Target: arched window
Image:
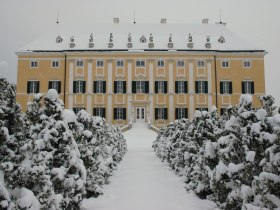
[(143, 39)]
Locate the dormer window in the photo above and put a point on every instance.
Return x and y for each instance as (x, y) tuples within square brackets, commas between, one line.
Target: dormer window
[(59, 39), (221, 40), (143, 39)]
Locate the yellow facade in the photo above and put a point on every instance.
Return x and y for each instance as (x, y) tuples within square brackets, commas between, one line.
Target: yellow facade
[(212, 71)]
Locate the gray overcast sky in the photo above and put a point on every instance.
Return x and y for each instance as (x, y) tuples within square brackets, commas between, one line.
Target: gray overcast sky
[(256, 21)]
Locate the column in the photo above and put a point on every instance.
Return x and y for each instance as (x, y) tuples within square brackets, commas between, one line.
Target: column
[(171, 91), (70, 97), (209, 76), (191, 88), (89, 88), (109, 102), (151, 89), (129, 98)]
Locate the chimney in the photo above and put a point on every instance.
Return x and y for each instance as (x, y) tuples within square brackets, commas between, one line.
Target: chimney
[(163, 20), (205, 21), (116, 20)]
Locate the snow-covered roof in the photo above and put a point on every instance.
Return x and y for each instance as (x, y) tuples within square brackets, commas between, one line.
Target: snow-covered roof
[(218, 35)]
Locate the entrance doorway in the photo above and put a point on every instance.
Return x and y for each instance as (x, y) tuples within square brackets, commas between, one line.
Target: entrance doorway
[(140, 114)]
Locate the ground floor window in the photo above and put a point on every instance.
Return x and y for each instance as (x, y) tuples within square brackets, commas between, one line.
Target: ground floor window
[(161, 113), (99, 111), (77, 109), (181, 113), (119, 113)]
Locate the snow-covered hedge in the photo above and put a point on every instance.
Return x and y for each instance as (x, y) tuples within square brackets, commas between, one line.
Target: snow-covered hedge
[(49, 157), (233, 159)]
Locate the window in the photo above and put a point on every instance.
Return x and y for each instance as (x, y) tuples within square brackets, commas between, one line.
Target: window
[(161, 113), (120, 63), (77, 109), (34, 64), (181, 113), (55, 85), (202, 109), (200, 63), (80, 63), (160, 86), (120, 113), (99, 63), (248, 87), (226, 87), (119, 87), (55, 64), (181, 87), (33, 87), (247, 64), (79, 86), (99, 86), (140, 63), (223, 110), (142, 39), (99, 111), (225, 64), (201, 87), (140, 86), (180, 63), (160, 63)]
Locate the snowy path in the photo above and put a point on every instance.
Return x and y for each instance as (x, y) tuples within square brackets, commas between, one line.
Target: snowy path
[(143, 182)]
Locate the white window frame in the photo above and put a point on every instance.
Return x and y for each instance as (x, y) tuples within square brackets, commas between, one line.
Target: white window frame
[(200, 63), (99, 86), (225, 64), (225, 87), (140, 63), (79, 63), (160, 63), (100, 63), (160, 113), (181, 87), (140, 86), (180, 63), (79, 86), (245, 64), (32, 62), (247, 87), (99, 111), (119, 86), (201, 86), (120, 63), (55, 62), (119, 113), (160, 86), (33, 86), (181, 113)]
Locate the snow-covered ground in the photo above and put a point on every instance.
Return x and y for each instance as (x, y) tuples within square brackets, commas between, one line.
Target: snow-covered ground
[(143, 182)]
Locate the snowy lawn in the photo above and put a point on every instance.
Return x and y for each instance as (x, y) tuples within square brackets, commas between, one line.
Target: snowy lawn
[(143, 182)]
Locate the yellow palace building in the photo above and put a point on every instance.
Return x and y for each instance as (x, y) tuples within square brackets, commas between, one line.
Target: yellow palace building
[(153, 73)]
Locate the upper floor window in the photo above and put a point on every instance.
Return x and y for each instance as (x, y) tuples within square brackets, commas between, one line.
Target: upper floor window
[(79, 86), (201, 87), (180, 63), (99, 86), (55, 63), (225, 64), (160, 86), (34, 64), (181, 86), (140, 86), (33, 87), (120, 87), (80, 63), (143, 39), (200, 63), (99, 63), (160, 63), (248, 87), (55, 85), (140, 63), (226, 87), (120, 63), (247, 64)]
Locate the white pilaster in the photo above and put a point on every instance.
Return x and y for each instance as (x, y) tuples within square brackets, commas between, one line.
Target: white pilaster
[(210, 94), (89, 88), (151, 89), (70, 97), (129, 97), (109, 107), (191, 88), (171, 92)]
